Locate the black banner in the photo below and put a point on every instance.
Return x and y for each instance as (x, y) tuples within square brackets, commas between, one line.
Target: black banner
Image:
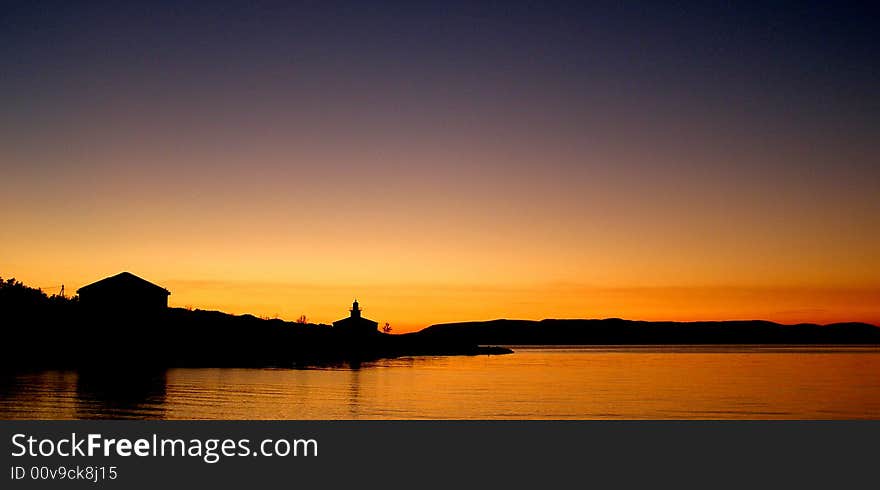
[(412, 454)]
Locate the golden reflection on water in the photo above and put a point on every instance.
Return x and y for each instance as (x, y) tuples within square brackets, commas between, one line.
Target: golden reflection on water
[(534, 383)]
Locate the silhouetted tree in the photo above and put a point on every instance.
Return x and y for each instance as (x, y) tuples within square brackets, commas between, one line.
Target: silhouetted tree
[(387, 328), (15, 295), (302, 319)]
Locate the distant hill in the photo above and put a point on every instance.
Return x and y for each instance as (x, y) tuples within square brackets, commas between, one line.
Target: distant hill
[(614, 331)]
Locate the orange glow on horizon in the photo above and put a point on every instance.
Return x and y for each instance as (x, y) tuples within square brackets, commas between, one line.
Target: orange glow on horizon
[(415, 306)]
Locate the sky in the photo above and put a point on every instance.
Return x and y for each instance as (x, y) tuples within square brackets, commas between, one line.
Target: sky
[(449, 161)]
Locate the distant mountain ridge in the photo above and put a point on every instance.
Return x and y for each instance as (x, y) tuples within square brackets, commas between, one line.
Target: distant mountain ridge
[(611, 331)]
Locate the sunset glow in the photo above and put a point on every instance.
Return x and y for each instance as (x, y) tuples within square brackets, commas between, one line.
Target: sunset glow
[(441, 164)]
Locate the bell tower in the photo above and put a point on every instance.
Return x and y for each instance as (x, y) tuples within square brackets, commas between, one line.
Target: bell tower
[(355, 310)]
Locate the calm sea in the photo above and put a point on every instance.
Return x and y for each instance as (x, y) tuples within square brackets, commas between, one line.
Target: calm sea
[(550, 382)]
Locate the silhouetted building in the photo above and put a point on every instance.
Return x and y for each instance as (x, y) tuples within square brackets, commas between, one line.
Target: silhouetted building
[(356, 324), (124, 292)]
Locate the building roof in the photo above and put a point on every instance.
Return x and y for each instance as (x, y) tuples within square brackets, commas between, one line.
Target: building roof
[(353, 321), (123, 280)]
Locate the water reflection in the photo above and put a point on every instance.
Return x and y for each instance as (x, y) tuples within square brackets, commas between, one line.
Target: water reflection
[(534, 383), (354, 392), (120, 394), (11, 386)]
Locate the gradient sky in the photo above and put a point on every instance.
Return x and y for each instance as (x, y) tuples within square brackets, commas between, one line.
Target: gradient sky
[(449, 161)]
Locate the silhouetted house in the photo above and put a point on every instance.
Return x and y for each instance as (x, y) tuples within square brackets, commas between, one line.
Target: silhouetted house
[(356, 324), (124, 292)]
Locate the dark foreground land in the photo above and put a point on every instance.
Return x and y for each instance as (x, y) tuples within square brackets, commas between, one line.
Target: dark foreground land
[(41, 332), (182, 338)]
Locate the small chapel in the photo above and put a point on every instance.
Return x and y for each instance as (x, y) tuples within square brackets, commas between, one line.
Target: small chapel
[(355, 324)]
